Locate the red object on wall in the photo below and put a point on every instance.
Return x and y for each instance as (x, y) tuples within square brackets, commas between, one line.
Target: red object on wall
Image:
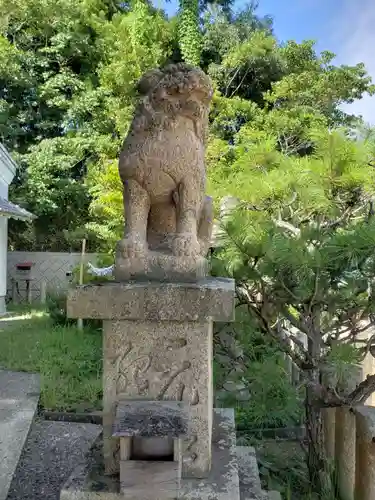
[(24, 266)]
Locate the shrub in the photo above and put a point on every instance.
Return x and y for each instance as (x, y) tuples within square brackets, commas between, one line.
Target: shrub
[(250, 375), (56, 307), (102, 260)]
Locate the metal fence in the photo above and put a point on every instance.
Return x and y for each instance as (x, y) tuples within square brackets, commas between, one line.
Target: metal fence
[(50, 269)]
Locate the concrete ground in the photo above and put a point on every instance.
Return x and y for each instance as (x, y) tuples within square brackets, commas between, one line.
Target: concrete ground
[(19, 396)]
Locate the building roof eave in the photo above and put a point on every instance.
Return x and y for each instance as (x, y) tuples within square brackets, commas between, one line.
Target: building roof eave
[(11, 210)]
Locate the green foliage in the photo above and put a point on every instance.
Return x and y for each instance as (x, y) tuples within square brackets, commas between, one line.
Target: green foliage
[(104, 260), (294, 243), (69, 71), (189, 33), (246, 359), (282, 468), (274, 402), (300, 246), (56, 307), (69, 360), (107, 206)]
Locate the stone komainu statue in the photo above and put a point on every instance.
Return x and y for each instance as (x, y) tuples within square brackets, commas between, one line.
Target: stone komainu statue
[(162, 169)]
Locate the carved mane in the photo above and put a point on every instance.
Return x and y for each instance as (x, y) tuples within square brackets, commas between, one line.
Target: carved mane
[(169, 94)]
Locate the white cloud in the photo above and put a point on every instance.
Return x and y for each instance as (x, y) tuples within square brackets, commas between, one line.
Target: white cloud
[(352, 34)]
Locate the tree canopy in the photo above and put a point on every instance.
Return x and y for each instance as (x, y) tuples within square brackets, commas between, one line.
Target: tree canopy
[(67, 78), (300, 243)]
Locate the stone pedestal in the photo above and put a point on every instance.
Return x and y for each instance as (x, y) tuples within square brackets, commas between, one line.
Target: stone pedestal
[(157, 347), (156, 360)]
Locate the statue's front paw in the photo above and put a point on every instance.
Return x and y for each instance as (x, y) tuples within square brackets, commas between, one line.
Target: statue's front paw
[(185, 245), (131, 247)]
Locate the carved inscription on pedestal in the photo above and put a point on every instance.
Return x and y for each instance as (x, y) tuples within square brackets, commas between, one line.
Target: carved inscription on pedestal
[(158, 370), (165, 361)]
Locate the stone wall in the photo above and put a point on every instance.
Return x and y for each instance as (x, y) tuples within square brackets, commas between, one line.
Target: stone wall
[(53, 268)]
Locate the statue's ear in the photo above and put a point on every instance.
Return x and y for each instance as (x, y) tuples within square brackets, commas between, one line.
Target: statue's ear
[(149, 81)]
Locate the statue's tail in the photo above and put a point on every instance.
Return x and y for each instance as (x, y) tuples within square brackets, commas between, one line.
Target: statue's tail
[(205, 225)]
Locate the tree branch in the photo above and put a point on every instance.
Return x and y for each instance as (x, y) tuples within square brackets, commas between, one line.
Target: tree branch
[(362, 392), (327, 397), (297, 324), (286, 225)]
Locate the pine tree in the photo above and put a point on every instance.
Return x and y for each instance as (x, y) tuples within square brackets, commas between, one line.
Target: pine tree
[(300, 245)]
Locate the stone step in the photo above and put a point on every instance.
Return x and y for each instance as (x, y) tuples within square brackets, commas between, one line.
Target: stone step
[(273, 495), (250, 486), (88, 480), (19, 396), (223, 481)]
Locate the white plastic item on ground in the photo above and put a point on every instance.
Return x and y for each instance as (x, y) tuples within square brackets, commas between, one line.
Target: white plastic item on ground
[(100, 271)]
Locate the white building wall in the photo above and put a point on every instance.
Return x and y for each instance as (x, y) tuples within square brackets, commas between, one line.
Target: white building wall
[(7, 172), (3, 261)]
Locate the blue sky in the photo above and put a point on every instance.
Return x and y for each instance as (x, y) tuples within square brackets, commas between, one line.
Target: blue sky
[(345, 27)]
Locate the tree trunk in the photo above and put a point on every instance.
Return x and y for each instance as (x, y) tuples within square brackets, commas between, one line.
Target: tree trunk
[(317, 461)]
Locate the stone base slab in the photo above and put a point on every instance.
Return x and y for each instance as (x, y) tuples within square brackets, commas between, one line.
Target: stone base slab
[(88, 481), (151, 301), (161, 267), (250, 485)]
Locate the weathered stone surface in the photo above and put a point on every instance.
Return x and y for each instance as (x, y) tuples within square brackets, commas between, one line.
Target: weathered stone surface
[(88, 481), (52, 450), (151, 301), (273, 495), (150, 419), (223, 482), (250, 486), (161, 267), (19, 396), (162, 481), (163, 173), (156, 361)]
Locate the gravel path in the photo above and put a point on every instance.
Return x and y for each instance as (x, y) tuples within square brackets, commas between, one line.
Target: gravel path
[(51, 452)]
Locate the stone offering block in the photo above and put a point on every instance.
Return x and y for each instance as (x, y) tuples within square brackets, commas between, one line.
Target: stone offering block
[(150, 419), (89, 481), (146, 480)]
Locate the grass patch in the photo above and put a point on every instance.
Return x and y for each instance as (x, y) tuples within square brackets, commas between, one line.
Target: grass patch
[(282, 467), (69, 360)]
